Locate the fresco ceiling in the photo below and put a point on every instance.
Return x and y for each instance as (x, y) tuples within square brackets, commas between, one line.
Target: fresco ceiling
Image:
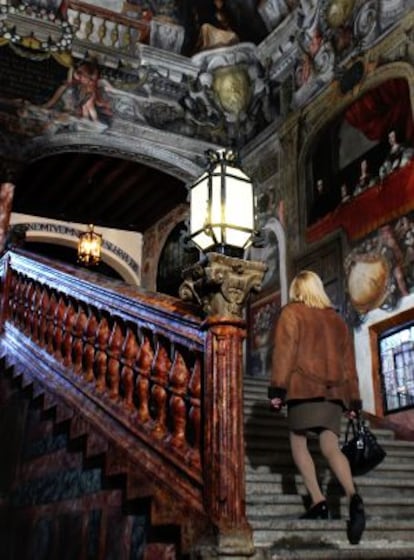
[(44, 89), (82, 187)]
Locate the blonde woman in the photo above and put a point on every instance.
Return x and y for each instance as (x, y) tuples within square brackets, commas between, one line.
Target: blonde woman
[(314, 374)]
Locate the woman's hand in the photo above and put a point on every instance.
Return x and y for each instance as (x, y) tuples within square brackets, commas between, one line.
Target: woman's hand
[(276, 403), (351, 414)]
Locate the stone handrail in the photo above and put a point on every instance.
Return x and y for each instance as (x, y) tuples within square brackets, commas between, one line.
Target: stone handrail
[(169, 379)]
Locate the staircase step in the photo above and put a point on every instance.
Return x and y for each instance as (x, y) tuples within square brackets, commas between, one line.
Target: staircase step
[(367, 486), (387, 469), (271, 531), (342, 550), (292, 506), (276, 496), (282, 457)]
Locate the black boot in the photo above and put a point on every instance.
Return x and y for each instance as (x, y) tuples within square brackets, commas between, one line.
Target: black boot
[(356, 523), (318, 511)]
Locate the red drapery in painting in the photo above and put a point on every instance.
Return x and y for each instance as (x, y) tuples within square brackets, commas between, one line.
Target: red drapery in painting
[(382, 109), (371, 209)]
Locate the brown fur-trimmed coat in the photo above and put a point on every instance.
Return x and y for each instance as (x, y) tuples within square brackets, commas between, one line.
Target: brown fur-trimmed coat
[(313, 357)]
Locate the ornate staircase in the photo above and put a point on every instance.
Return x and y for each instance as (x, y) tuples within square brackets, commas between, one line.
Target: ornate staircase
[(153, 392), (276, 497)]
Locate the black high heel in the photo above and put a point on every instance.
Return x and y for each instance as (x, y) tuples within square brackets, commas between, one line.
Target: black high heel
[(356, 523), (318, 511)]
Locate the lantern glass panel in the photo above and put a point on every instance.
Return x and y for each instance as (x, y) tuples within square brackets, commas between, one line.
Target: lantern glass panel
[(238, 212), (216, 205), (199, 212)]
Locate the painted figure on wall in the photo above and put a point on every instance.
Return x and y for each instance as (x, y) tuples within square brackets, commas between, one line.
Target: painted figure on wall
[(220, 35), (398, 155), (322, 203), (221, 22), (365, 178), (83, 94)]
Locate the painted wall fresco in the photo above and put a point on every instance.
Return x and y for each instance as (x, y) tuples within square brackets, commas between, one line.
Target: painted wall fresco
[(330, 30), (358, 150), (380, 269)]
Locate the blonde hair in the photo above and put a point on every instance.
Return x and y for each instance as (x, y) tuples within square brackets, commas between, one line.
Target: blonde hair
[(308, 288)]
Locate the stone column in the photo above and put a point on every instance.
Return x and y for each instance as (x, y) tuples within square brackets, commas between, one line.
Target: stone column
[(221, 285)]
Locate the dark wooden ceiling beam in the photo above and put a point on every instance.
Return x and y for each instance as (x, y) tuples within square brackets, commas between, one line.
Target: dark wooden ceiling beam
[(114, 193)]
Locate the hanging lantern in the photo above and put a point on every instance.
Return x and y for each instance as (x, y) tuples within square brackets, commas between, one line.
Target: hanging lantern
[(89, 247), (222, 206)]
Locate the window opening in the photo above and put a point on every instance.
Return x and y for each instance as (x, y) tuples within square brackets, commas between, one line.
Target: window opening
[(396, 349)]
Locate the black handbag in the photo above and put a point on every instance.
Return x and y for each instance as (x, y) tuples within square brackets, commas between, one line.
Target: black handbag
[(361, 447)]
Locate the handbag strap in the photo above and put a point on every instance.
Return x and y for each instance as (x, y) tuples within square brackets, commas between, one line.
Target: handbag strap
[(351, 429), (355, 427)]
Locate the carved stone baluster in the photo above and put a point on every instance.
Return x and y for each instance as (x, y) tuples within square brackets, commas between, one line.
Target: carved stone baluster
[(27, 314), (44, 306), (36, 303), (129, 355), (89, 25), (77, 22), (114, 351), (102, 32), (58, 334), (179, 377), (126, 38), (89, 349), (50, 323), (77, 345), (161, 368), (14, 297), (11, 295), (115, 35), (194, 414), (144, 364), (21, 288), (68, 324), (101, 359)]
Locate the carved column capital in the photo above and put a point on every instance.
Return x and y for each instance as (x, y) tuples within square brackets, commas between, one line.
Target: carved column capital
[(222, 284)]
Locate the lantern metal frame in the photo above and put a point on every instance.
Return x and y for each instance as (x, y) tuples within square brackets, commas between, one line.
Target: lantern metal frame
[(222, 206)]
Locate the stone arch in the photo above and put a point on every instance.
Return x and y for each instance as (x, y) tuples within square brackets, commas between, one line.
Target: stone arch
[(164, 153), (184, 160), (60, 234), (273, 254)]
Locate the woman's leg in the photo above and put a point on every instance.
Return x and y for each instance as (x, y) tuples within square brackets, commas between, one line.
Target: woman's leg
[(329, 443), (304, 462), (340, 466)]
